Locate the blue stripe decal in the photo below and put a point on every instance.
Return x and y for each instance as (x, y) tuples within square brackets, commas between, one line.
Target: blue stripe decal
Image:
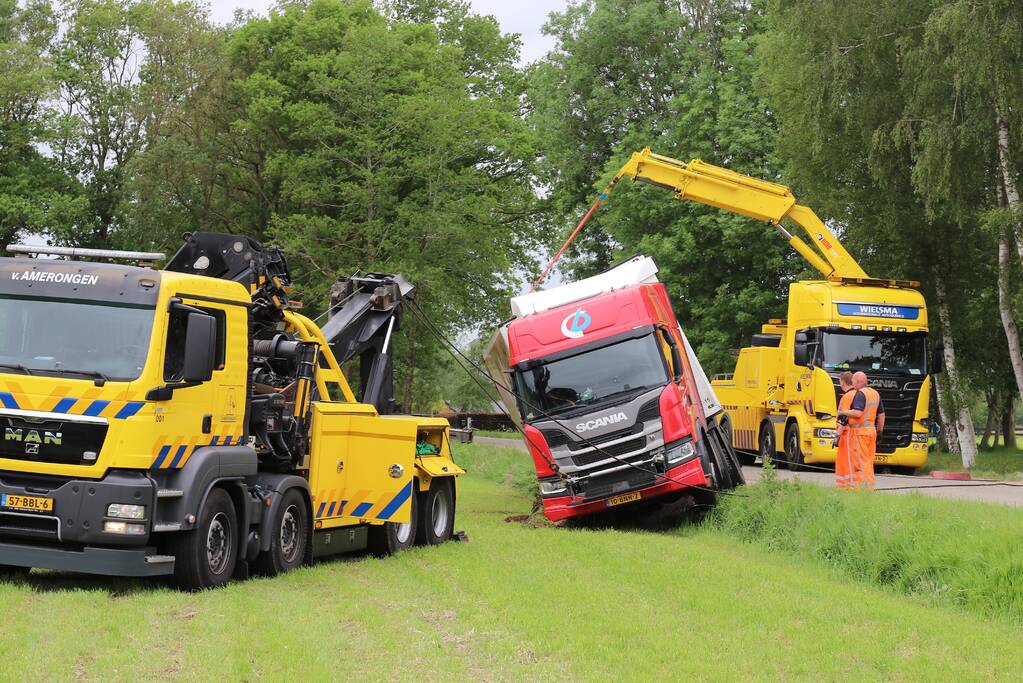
[(330, 510), (227, 441), (360, 509), (341, 508), (7, 399), (213, 441), (319, 513), (64, 405), (177, 458), (160, 458), (96, 407), (129, 409), (396, 502)]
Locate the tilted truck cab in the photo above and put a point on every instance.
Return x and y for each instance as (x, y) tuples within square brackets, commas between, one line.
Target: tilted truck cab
[(614, 406), (190, 422)]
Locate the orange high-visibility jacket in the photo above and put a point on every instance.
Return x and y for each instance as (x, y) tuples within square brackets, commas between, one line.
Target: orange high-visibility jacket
[(868, 419)]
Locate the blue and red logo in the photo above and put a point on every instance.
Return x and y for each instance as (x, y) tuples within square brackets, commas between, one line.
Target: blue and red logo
[(575, 324)]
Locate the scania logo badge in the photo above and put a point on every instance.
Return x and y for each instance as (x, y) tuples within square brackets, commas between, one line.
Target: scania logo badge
[(575, 323)]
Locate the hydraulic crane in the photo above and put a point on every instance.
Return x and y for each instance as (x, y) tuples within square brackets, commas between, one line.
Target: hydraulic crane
[(781, 401)]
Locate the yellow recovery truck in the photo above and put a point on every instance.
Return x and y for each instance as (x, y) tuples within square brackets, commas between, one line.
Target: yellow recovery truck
[(190, 422), (781, 401)]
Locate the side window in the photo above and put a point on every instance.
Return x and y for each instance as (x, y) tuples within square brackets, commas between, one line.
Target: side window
[(177, 328)]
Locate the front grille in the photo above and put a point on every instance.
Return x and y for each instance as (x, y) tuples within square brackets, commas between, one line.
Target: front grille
[(27, 526), (651, 410), (899, 411), (57, 441), (612, 451), (555, 438), (618, 482)]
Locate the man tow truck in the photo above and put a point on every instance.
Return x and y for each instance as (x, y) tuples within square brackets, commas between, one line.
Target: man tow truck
[(190, 422), (781, 401)]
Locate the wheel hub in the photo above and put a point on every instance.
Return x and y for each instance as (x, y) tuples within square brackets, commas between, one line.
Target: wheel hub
[(218, 544), (440, 514), (289, 534)]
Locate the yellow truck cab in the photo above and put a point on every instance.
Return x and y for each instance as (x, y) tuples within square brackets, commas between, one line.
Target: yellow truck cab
[(782, 400), (189, 422)]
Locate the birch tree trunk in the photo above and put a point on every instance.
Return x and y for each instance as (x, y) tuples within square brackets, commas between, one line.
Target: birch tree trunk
[(1008, 180), (1005, 311), (993, 417), (954, 391), (952, 441)]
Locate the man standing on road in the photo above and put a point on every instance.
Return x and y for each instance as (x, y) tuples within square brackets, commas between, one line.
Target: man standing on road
[(843, 461), (866, 419)]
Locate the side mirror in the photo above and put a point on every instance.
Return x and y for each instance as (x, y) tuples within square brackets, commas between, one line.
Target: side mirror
[(801, 350), (938, 358), (676, 356), (200, 347)]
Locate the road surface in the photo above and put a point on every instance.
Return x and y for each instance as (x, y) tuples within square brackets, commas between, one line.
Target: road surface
[(990, 491)]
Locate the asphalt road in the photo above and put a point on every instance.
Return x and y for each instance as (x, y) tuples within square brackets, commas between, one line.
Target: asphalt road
[(990, 491)]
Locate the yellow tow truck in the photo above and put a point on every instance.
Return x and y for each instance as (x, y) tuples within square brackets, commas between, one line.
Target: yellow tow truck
[(191, 422), (781, 401)]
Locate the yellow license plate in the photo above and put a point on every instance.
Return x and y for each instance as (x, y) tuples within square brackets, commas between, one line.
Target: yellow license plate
[(624, 498), (26, 503)]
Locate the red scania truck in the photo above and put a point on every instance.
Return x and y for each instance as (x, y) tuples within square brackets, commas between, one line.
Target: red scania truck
[(615, 407)]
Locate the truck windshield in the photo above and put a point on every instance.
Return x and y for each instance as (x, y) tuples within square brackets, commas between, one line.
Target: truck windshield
[(590, 377), (872, 352), (58, 337)]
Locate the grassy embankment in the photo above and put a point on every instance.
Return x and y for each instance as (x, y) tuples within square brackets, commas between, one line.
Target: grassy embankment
[(515, 603), (993, 463)]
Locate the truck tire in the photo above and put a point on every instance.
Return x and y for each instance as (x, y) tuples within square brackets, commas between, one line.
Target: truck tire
[(390, 538), (768, 451), (793, 451), (436, 513), (289, 536), (205, 557)]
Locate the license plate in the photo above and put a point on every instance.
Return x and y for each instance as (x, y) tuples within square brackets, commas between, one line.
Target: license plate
[(26, 503), (624, 498)]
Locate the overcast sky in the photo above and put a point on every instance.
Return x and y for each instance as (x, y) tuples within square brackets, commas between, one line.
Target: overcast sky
[(525, 17)]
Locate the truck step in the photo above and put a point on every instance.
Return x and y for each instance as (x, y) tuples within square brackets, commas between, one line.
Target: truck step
[(169, 493), (159, 559), (163, 528)]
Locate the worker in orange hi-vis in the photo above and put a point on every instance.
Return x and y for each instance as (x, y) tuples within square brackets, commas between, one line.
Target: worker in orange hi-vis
[(866, 418), (844, 477)]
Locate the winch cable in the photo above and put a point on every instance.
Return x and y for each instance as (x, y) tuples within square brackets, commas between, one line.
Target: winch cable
[(457, 353)]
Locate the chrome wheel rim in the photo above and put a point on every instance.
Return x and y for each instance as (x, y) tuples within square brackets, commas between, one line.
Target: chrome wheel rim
[(440, 514), (218, 543), (403, 532), (289, 537)]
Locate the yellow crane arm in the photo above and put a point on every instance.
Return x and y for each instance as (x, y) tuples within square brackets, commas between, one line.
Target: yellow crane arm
[(715, 186)]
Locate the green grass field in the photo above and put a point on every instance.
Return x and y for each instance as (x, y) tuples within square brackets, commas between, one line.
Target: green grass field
[(993, 463), (517, 602)]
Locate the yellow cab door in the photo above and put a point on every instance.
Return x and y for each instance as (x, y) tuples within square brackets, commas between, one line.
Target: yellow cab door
[(361, 465), (211, 413)]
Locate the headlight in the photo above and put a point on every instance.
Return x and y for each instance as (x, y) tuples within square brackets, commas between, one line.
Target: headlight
[(123, 511), (124, 528), (920, 437), (681, 451), (825, 433), (549, 487)]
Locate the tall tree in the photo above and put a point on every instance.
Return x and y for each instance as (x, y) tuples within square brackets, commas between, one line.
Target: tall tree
[(35, 196), (356, 140), (678, 77), (836, 75)]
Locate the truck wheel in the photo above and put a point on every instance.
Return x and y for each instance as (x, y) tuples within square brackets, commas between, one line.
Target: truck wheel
[(793, 451), (725, 424), (289, 535), (767, 448), (205, 556), (436, 513), (391, 537)]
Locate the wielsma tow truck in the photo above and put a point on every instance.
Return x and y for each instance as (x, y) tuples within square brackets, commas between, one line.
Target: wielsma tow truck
[(190, 422)]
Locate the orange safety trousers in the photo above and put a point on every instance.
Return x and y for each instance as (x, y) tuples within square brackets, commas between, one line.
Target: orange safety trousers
[(854, 464)]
